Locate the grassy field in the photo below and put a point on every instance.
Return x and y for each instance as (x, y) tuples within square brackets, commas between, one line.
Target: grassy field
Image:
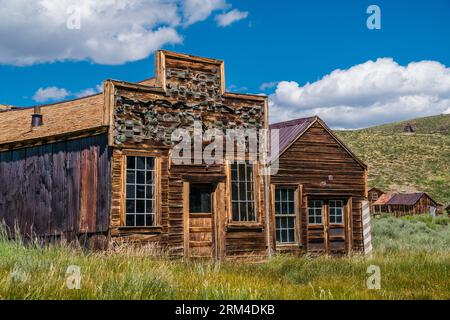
[(406, 162), (413, 255)]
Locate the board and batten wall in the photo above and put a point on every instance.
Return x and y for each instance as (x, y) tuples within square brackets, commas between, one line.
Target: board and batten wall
[(58, 188)]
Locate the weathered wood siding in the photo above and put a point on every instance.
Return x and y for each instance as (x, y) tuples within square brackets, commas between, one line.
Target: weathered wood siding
[(143, 120), (324, 169), (57, 188)]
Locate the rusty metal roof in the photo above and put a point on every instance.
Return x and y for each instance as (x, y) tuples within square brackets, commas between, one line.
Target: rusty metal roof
[(289, 131), (408, 199), (383, 199)]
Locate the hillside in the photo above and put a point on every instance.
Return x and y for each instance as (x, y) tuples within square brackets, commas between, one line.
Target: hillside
[(428, 125), (406, 162)]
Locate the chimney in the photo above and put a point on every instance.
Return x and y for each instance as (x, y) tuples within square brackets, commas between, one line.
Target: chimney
[(36, 118)]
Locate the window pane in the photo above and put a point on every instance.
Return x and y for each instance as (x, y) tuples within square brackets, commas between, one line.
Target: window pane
[(200, 199), (150, 177), (149, 207), (131, 177), (149, 220), (140, 191), (291, 208), (140, 177), (235, 211), (140, 206), (140, 163), (130, 191), (130, 220), (131, 163), (130, 206), (277, 207), (150, 163), (140, 220)]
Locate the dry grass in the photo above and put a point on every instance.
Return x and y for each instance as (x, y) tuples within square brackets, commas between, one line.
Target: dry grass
[(410, 269)]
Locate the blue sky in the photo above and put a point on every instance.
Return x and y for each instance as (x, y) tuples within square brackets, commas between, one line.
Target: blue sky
[(292, 42)]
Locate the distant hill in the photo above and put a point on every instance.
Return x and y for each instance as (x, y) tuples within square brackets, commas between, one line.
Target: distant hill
[(406, 162), (435, 124)]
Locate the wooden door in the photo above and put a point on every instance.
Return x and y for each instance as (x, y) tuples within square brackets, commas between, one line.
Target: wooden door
[(327, 230), (199, 221)]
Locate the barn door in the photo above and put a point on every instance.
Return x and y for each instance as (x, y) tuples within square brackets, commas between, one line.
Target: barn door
[(199, 231)]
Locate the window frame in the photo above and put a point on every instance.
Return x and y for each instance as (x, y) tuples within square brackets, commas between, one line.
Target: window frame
[(342, 207), (326, 206), (256, 194), (297, 215), (322, 210), (157, 159)]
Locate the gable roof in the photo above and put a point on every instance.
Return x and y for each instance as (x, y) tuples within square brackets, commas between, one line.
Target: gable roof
[(376, 190), (408, 199), (291, 131), (383, 199)]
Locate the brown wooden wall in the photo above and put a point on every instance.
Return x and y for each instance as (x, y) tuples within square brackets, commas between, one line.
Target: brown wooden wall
[(324, 169), (57, 188), (143, 120)]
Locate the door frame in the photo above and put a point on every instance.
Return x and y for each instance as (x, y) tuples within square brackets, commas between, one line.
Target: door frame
[(214, 219)]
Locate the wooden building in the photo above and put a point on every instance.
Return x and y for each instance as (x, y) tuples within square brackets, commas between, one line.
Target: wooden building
[(102, 166), (317, 193), (402, 204), (106, 167), (373, 195)]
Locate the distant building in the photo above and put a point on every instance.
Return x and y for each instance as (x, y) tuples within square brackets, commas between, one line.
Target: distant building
[(373, 195), (409, 128), (448, 209), (402, 204)]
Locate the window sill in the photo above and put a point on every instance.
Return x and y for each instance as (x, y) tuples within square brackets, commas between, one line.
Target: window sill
[(244, 226), (141, 230)]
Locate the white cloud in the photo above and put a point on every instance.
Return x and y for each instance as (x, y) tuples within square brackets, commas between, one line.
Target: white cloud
[(199, 10), (111, 31), (268, 85), (56, 94), (226, 19), (50, 94), (235, 88), (367, 94)]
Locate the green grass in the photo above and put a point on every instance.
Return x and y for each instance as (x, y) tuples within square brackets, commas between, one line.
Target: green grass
[(406, 162), (413, 254)]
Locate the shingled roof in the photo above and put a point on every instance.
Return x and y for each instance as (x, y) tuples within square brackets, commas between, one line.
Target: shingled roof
[(59, 118)]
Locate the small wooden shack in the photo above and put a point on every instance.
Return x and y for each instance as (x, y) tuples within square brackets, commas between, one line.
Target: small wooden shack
[(402, 204), (317, 192), (373, 195)]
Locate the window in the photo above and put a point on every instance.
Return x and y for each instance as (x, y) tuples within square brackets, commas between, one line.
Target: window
[(140, 192), (336, 211), (374, 196), (315, 211), (285, 215), (200, 199), (242, 192)]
